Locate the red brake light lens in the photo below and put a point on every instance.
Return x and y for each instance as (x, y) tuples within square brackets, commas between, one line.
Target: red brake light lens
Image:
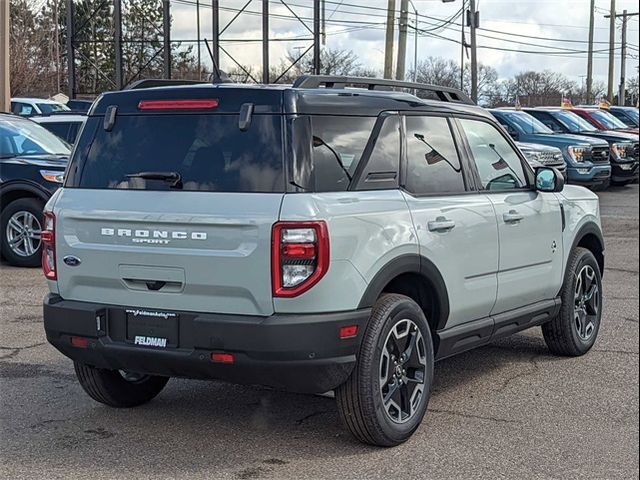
[(300, 257), (159, 105), (48, 239)]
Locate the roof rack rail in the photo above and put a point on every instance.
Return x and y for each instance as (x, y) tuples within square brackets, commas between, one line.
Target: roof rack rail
[(160, 82), (445, 94)]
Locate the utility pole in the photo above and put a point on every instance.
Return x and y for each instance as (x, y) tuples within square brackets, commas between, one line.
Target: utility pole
[(402, 39), (415, 44), (623, 64), (71, 61), (215, 34), (612, 49), (590, 54), (5, 91), (623, 61), (198, 38), (474, 22), (265, 42), (117, 22), (166, 34), (388, 46), (316, 37)]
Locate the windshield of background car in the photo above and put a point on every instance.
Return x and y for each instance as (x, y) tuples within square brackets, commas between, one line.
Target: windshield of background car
[(206, 152), (47, 108), (634, 114), (608, 120), (24, 137), (573, 122), (527, 123)]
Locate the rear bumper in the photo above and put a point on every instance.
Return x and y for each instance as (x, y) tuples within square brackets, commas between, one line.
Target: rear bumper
[(299, 353)]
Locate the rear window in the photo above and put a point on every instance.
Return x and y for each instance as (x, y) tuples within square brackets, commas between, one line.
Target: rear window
[(208, 152)]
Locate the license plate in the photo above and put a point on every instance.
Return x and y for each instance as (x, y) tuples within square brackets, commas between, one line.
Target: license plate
[(152, 328)]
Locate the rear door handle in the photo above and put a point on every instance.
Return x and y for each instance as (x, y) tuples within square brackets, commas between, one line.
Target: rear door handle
[(441, 225), (512, 217)]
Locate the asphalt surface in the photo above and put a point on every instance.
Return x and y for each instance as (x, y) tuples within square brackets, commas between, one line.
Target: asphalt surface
[(508, 410)]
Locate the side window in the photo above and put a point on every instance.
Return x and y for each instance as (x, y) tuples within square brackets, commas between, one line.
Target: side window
[(433, 165), (382, 167), (22, 109), (498, 163), (548, 121), (337, 146)]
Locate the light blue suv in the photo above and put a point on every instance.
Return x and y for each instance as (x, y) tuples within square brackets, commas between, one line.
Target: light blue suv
[(312, 237), (587, 158)]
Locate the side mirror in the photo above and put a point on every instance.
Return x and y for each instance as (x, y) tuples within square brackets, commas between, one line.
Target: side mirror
[(549, 180), (513, 134)]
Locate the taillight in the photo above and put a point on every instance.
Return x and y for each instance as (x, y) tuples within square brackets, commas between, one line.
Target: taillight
[(300, 256), (48, 238), (159, 105)]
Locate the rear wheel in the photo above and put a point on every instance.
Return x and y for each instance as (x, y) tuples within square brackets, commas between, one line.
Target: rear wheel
[(118, 388), (21, 222), (385, 398), (573, 332)]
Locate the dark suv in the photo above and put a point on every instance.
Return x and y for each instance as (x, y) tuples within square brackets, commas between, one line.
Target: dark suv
[(32, 164)]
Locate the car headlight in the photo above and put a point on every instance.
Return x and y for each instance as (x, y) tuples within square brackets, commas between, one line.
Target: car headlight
[(52, 176), (620, 150), (577, 152)]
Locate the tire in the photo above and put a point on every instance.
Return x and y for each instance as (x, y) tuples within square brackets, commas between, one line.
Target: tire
[(360, 399), (113, 389), (13, 220), (574, 331), (601, 187), (623, 183)]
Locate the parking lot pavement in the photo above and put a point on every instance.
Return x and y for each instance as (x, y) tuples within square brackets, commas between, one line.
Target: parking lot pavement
[(508, 410)]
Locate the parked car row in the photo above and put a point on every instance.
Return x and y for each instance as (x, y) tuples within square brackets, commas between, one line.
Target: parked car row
[(598, 148)]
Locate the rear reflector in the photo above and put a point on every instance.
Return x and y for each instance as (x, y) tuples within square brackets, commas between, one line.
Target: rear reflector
[(222, 357), (158, 105), (348, 332), (79, 342)]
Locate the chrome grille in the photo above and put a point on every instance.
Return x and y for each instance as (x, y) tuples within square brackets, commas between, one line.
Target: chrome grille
[(549, 159), (599, 155)]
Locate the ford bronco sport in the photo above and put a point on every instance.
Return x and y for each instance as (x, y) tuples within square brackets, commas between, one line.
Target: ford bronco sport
[(338, 234)]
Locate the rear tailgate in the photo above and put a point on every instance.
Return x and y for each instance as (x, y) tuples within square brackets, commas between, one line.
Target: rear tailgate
[(169, 202), (191, 251)]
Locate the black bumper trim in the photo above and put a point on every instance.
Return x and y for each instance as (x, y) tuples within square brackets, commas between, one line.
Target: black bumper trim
[(300, 353)]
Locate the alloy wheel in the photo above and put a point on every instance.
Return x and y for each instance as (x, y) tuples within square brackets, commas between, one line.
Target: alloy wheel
[(23, 233), (587, 303), (402, 371)]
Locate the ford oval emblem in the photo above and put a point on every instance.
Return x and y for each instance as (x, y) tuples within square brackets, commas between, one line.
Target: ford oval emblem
[(72, 261)]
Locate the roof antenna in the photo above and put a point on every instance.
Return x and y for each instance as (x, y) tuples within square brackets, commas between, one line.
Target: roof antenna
[(218, 76)]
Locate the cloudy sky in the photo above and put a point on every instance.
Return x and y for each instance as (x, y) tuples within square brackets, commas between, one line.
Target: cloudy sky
[(557, 27)]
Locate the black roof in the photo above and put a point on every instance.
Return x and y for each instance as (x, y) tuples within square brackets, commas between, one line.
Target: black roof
[(338, 99)]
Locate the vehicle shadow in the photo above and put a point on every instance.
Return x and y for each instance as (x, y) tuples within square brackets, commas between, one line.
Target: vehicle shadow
[(201, 426)]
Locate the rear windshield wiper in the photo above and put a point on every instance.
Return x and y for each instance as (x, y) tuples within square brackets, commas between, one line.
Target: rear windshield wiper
[(174, 177)]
